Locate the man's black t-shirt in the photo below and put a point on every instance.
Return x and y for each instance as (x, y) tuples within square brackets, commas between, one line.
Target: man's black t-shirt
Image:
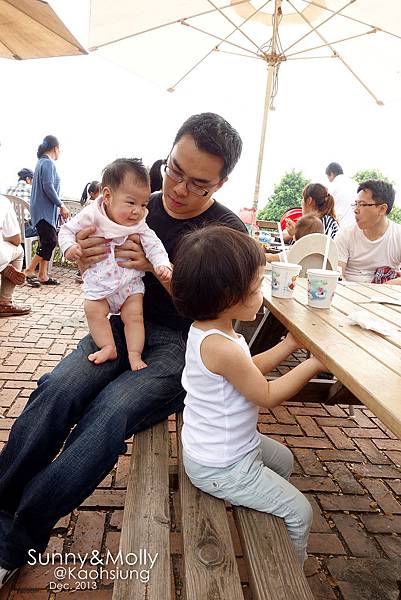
[(157, 303)]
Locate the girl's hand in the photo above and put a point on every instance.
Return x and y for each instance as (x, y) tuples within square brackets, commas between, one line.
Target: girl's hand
[(132, 254), (290, 227), (293, 343), (163, 273)]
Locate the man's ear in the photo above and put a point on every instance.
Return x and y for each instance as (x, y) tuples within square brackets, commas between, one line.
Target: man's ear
[(222, 182)]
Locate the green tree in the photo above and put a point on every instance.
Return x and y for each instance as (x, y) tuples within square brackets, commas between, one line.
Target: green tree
[(366, 174), (395, 214), (287, 194)]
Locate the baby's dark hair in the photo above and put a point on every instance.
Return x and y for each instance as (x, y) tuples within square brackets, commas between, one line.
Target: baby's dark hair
[(214, 268), (307, 224), (113, 175)]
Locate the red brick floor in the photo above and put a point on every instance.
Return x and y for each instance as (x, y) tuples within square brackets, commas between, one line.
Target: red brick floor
[(348, 468)]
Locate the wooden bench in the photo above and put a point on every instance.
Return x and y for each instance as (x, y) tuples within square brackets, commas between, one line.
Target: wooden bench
[(209, 565)]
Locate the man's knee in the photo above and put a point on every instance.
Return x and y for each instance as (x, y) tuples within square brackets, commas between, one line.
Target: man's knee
[(304, 512)]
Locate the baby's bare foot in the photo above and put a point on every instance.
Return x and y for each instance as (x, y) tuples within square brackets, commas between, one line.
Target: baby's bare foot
[(136, 362), (104, 354)]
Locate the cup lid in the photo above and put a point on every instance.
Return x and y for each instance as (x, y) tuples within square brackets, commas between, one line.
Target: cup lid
[(283, 265)]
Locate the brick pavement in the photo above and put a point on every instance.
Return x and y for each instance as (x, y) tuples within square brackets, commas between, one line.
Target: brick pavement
[(348, 468)]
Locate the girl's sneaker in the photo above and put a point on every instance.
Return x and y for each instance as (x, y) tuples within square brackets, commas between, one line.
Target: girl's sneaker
[(5, 575)]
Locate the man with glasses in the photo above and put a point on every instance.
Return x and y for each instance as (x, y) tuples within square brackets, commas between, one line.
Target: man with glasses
[(370, 251), (108, 403)]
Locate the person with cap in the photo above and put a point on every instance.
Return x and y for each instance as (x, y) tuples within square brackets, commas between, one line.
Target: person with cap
[(23, 190), (46, 207)]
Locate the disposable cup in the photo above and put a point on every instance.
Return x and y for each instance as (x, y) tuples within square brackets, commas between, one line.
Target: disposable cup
[(284, 276), (321, 287)]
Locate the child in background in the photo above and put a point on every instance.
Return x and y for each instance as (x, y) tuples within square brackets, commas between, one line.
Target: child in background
[(91, 192), (223, 453), (307, 224), (108, 288)]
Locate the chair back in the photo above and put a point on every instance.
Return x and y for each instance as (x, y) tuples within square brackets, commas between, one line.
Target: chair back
[(308, 251), (20, 205)]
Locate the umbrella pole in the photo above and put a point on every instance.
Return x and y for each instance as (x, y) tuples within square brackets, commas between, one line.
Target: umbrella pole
[(273, 59), (270, 75)]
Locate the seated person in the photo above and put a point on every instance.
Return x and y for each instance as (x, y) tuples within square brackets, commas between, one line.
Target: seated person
[(23, 190), (370, 251), (310, 223), (11, 255)]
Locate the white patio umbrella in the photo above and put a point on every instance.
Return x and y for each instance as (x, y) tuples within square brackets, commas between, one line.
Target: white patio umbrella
[(31, 29), (167, 40)]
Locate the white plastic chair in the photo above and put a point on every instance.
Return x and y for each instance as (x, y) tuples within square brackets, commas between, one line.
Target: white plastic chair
[(308, 251), (21, 205)]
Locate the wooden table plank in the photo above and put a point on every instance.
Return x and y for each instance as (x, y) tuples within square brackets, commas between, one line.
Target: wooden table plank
[(146, 520), (375, 384)]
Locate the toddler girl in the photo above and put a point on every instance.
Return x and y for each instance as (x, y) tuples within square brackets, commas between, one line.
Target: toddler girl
[(217, 279), (108, 288)]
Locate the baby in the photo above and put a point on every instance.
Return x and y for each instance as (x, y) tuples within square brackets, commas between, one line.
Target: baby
[(108, 288), (307, 224)]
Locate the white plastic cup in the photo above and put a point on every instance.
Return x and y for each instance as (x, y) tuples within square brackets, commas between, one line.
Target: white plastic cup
[(284, 276), (321, 287)]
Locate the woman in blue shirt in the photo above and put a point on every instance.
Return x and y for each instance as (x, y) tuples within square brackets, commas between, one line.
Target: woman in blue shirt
[(45, 208)]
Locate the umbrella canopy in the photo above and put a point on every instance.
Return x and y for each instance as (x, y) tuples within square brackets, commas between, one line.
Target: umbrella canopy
[(168, 41), (31, 29)]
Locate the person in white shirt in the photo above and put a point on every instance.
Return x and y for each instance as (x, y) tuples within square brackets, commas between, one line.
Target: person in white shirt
[(373, 245), (11, 256), (344, 191), (223, 453)]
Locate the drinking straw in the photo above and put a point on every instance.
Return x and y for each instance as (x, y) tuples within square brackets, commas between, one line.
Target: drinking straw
[(282, 242), (326, 252)]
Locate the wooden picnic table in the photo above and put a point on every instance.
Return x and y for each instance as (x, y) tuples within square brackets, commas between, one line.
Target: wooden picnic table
[(366, 362)]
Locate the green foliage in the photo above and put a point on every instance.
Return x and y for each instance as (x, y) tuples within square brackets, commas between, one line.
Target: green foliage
[(366, 174), (395, 214), (287, 194)]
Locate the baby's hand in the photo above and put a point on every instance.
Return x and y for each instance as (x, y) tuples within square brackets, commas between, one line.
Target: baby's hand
[(73, 253), (164, 273)]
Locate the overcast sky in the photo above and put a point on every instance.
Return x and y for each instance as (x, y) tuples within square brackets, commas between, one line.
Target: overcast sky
[(100, 111)]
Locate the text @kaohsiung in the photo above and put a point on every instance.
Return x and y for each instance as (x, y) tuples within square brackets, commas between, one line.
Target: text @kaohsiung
[(85, 571)]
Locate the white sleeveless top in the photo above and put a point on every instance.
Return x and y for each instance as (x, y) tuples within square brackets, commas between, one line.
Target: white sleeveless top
[(219, 423)]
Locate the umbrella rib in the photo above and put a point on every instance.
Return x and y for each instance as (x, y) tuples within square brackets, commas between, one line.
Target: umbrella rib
[(352, 18), (216, 48), (238, 28), (222, 40), (320, 24), (288, 56), (337, 55), (255, 57), (132, 35), (74, 43)]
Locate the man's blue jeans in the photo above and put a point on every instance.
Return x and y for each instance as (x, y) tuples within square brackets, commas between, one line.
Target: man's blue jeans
[(107, 404)]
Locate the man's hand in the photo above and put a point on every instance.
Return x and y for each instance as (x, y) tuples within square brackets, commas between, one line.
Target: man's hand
[(396, 281), (132, 254), (74, 253), (94, 249), (163, 273)]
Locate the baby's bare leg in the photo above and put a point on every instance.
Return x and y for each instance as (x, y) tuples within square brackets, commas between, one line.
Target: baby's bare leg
[(96, 313), (132, 316)]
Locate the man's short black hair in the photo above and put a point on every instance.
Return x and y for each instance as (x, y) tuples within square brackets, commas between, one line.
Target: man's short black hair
[(213, 270), (113, 175), (213, 134), (382, 192), (334, 168)]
